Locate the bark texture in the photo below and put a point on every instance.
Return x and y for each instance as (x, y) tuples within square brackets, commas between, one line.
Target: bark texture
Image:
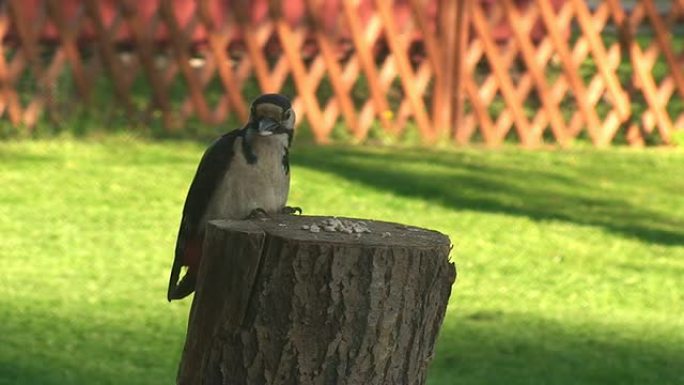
[(277, 304)]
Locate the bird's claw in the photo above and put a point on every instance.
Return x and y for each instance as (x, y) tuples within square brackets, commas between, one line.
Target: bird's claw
[(258, 213), (291, 210)]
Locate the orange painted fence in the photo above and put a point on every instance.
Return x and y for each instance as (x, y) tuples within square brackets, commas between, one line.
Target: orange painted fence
[(531, 71)]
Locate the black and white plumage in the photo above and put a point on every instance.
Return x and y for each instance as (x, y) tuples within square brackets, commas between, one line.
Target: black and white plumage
[(242, 171)]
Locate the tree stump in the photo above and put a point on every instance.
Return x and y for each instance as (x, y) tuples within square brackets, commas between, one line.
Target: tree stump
[(278, 302)]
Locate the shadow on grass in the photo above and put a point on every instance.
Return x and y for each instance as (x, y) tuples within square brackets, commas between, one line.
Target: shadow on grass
[(519, 349), (39, 347), (532, 189), (480, 348)]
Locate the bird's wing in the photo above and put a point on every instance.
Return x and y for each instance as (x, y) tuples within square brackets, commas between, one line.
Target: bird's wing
[(212, 166)]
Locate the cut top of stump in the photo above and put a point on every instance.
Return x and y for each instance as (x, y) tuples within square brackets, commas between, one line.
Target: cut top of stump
[(339, 230)]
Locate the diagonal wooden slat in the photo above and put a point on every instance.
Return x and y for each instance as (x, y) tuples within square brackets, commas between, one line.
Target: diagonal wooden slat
[(570, 69), (646, 81), (488, 130), (422, 77), (29, 53), (404, 69), (549, 102), (604, 132), (305, 88), (180, 48), (253, 45), (490, 87), (145, 49), (595, 90), (9, 97), (596, 87), (68, 32), (598, 50), (218, 42), (363, 52), (522, 125), (666, 89), (664, 39), (340, 87), (105, 46)]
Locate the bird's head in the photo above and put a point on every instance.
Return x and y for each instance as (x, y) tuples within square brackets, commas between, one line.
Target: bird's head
[(271, 114)]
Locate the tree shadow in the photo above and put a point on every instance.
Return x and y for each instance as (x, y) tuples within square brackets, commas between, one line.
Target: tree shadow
[(16, 156), (485, 347), (22, 373), (41, 347), (453, 180), (497, 348)]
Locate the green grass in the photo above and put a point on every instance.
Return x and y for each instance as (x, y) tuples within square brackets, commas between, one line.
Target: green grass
[(570, 262)]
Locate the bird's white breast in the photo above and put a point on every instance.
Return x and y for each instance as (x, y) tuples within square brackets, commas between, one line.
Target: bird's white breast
[(245, 187)]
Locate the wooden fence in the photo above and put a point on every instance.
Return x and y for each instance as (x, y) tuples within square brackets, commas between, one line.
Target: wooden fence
[(536, 71)]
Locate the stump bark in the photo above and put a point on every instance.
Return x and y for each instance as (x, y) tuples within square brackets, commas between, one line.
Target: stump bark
[(278, 303)]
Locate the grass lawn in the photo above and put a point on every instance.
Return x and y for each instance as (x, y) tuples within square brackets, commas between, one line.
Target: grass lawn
[(570, 263)]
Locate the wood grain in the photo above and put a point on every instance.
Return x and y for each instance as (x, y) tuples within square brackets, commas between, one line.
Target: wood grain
[(278, 304)]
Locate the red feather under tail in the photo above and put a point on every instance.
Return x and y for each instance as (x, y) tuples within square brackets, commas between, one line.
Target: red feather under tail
[(193, 254)]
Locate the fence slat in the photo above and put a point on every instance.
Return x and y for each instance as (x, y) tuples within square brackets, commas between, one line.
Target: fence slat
[(218, 43), (549, 102), (458, 84), (444, 81), (10, 98), (599, 52), (67, 32), (145, 48), (506, 86), (180, 49), (340, 87), (488, 129), (646, 82), (404, 69), (664, 39), (306, 90), (32, 60), (570, 69), (105, 46), (363, 52)]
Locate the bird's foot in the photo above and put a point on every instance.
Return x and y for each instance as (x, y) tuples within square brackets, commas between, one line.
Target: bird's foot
[(291, 210), (258, 213)]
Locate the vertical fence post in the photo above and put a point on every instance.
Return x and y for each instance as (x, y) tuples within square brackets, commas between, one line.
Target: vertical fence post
[(462, 8), (444, 81)]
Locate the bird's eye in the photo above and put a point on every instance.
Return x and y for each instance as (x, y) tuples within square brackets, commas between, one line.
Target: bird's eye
[(287, 115)]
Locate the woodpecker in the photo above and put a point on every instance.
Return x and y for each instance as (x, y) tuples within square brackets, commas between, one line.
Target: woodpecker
[(243, 172)]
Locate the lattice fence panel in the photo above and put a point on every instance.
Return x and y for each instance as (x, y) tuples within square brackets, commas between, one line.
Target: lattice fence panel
[(547, 72), (531, 71)]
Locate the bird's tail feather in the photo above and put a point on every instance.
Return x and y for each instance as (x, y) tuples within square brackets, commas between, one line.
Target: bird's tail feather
[(184, 288)]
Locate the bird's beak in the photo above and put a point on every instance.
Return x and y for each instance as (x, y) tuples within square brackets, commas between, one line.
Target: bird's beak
[(268, 126)]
